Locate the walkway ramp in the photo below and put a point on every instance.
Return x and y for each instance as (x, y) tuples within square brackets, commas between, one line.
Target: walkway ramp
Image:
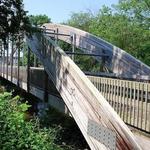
[(97, 120)]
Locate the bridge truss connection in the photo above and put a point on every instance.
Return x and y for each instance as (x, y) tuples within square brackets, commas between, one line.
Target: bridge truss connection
[(100, 102)]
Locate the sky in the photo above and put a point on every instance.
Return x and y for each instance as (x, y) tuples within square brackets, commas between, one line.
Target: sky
[(60, 10)]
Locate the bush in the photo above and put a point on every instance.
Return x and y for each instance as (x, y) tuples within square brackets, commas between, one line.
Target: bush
[(16, 133)]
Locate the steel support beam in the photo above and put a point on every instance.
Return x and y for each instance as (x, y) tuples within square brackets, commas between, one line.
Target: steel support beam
[(86, 54)]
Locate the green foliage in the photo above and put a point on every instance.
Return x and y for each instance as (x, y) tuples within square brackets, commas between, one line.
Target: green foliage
[(13, 18), (69, 135), (38, 20), (25, 59), (85, 63), (17, 133), (126, 25), (80, 20), (138, 11)]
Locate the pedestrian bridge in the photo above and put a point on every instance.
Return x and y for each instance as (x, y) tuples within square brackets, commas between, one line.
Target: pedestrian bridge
[(102, 102)]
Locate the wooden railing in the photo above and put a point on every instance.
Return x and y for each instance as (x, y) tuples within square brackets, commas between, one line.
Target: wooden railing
[(130, 99)]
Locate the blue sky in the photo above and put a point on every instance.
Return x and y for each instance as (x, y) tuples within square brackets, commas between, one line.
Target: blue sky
[(60, 10)]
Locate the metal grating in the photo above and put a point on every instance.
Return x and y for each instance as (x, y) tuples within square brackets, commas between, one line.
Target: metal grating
[(102, 134)]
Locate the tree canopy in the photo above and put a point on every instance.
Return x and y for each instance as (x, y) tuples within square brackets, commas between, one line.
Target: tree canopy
[(38, 20), (13, 18), (81, 20), (126, 25)]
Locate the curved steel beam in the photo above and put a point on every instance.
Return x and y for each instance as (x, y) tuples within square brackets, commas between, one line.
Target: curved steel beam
[(119, 61)]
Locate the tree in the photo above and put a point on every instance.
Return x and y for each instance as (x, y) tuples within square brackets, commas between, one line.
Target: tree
[(126, 25), (39, 20), (18, 133), (135, 10), (81, 20), (13, 18), (138, 13), (35, 21)]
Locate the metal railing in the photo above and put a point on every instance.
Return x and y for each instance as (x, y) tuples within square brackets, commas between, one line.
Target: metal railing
[(130, 99)]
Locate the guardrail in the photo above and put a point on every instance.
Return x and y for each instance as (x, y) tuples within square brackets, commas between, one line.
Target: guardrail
[(130, 99)]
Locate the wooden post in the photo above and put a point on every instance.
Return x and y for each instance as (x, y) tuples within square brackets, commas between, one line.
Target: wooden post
[(18, 65), (4, 63), (7, 45), (73, 42), (56, 39), (28, 71), (2, 60), (1, 57), (46, 87), (35, 61), (23, 54), (146, 106), (12, 53)]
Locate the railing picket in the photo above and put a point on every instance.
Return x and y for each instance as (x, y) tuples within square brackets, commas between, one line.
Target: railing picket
[(109, 88), (99, 85), (105, 89), (102, 86), (1, 57), (126, 102), (146, 99), (120, 99), (12, 52), (142, 100), (130, 105), (117, 96), (112, 90), (138, 101), (4, 63), (149, 107), (7, 60), (123, 97), (134, 104), (114, 100), (2, 60)]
